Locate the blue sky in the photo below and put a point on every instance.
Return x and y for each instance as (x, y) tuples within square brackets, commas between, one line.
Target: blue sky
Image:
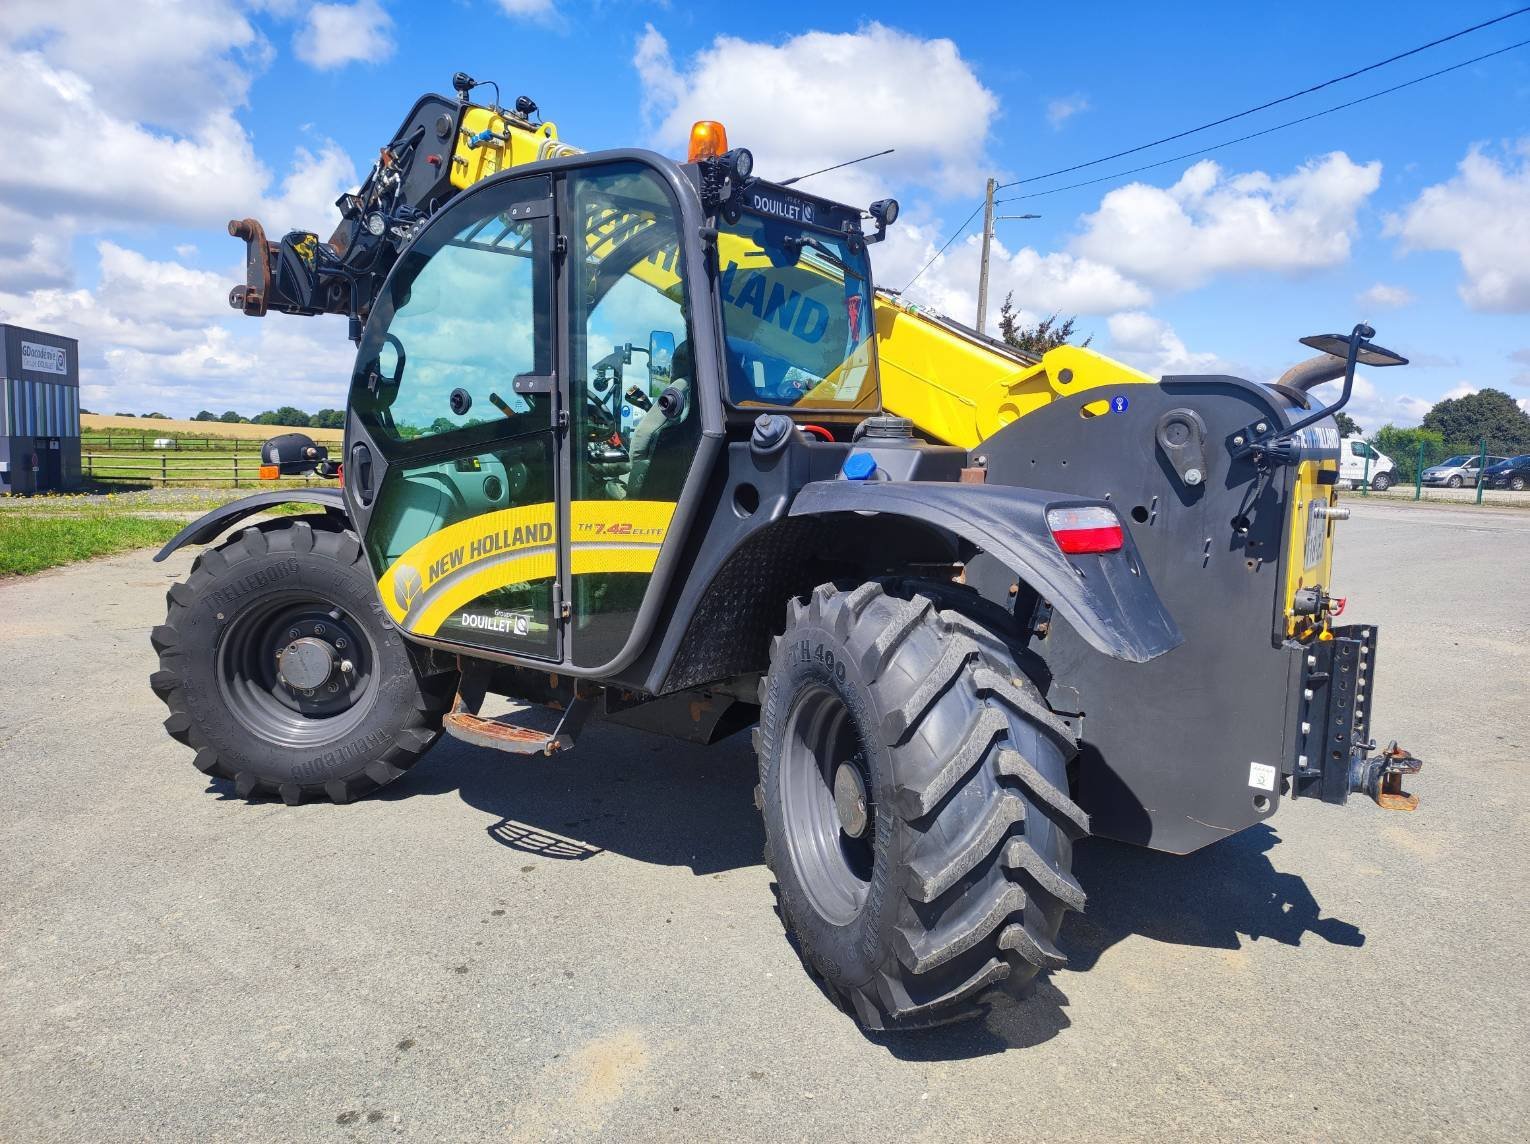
[(151, 124)]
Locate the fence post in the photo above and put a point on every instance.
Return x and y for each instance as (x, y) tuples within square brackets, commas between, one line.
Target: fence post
[(164, 471), (236, 470), (1365, 478), (1481, 464), (1418, 474)]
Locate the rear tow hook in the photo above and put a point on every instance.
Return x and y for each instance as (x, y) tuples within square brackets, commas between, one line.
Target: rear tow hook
[(1381, 777)]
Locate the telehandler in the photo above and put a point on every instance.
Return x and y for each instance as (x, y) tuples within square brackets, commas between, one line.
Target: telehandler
[(639, 440)]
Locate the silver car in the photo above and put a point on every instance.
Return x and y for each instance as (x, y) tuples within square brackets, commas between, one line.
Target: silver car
[(1454, 472)]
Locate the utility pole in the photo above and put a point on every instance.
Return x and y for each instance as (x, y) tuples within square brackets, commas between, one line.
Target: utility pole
[(982, 314), (989, 218)]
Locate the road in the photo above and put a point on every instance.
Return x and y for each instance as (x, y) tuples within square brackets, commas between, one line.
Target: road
[(506, 950)]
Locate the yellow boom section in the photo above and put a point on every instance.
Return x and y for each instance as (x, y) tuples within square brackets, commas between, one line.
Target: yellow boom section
[(962, 389)]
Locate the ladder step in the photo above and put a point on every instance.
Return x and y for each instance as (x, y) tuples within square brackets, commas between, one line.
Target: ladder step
[(502, 734)]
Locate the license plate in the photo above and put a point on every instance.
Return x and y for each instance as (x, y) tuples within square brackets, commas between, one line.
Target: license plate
[(1317, 534)]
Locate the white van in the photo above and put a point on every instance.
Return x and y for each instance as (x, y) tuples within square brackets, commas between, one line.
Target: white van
[(1359, 459)]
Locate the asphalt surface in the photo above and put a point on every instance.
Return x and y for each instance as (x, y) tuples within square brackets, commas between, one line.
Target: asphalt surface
[(499, 949)]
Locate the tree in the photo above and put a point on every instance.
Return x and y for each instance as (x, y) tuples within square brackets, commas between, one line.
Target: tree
[(1038, 339), (1402, 446), (1348, 426), (119, 413), (232, 418), (442, 425), (286, 415), (158, 416), (1490, 414), (328, 419), (205, 415)]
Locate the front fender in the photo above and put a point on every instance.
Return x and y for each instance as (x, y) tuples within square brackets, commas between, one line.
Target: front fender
[(209, 527), (1108, 598)]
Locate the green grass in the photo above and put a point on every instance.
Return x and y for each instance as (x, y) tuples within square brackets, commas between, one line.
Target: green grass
[(31, 543)]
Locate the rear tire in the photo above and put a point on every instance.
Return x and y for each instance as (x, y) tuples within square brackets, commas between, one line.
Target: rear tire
[(902, 699), (1453, 483), (221, 668)]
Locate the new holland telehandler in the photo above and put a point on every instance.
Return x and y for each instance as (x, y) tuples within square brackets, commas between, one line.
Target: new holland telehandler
[(639, 440)]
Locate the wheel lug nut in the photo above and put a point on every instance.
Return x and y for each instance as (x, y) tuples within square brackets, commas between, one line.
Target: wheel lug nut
[(340, 644), (319, 629), (294, 633), (334, 687)]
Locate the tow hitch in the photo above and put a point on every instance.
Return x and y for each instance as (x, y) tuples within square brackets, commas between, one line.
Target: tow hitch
[(1381, 777), (1333, 757)]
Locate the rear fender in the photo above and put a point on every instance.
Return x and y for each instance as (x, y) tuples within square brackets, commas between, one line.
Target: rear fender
[(1107, 597), (215, 523)]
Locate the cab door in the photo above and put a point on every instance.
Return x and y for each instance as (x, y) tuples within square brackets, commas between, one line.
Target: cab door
[(452, 448)]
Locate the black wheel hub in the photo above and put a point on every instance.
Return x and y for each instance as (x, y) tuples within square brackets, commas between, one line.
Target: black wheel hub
[(830, 815), (294, 667)]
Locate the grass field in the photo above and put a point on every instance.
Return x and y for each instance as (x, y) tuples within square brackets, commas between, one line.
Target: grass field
[(151, 427), (30, 542)]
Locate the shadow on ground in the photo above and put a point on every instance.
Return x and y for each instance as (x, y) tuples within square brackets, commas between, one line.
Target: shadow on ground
[(672, 803), (647, 797)]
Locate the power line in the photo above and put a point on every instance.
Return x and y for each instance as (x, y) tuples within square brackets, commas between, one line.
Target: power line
[(1272, 103), (1257, 134), (957, 234)]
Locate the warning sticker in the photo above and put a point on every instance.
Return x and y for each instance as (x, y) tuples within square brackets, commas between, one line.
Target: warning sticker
[(1261, 776)]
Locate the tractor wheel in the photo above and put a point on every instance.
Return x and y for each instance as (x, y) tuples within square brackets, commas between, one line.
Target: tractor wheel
[(915, 792), (283, 673), (1381, 482), (1454, 482)]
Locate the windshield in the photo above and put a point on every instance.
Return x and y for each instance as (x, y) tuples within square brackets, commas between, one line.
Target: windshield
[(797, 316), (1452, 462)]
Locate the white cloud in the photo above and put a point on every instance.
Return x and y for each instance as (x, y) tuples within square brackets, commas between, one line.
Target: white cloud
[(1483, 215), (529, 9), (1210, 223), (1382, 296), (338, 34), (821, 98), (157, 63), (1151, 345), (1059, 111), (1042, 284), (149, 103), (160, 335), (1372, 406)]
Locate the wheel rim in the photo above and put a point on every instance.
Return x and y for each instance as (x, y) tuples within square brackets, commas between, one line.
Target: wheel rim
[(832, 839), (328, 653)]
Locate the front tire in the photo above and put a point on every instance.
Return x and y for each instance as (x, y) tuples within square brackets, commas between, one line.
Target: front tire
[(1381, 482), (914, 788), (1517, 484), (284, 675)]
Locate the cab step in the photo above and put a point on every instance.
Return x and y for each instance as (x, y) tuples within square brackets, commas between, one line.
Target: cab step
[(535, 730)]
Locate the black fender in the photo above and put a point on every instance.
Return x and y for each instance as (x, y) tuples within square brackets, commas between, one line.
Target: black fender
[(1108, 598), (212, 525)]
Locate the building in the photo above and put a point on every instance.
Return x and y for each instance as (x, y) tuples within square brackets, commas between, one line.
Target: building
[(39, 411)]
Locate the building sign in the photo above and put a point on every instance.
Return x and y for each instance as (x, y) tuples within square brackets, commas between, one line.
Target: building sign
[(44, 359)]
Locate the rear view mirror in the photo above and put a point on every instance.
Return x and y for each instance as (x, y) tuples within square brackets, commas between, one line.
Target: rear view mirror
[(661, 359), (1368, 354)]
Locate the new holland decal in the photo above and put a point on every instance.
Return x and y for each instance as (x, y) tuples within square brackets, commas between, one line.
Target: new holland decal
[(449, 569)]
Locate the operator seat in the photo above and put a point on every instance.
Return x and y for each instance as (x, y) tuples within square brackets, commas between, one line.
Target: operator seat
[(664, 469)]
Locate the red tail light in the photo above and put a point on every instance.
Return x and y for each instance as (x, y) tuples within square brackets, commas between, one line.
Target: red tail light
[(1089, 528)]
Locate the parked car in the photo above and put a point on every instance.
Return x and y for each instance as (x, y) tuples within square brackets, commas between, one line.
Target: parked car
[(1360, 459), (1453, 472), (1511, 474)]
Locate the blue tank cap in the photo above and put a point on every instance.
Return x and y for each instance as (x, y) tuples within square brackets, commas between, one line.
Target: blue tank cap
[(859, 467)]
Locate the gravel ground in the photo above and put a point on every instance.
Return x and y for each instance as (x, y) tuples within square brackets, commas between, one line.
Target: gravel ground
[(501, 949)]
